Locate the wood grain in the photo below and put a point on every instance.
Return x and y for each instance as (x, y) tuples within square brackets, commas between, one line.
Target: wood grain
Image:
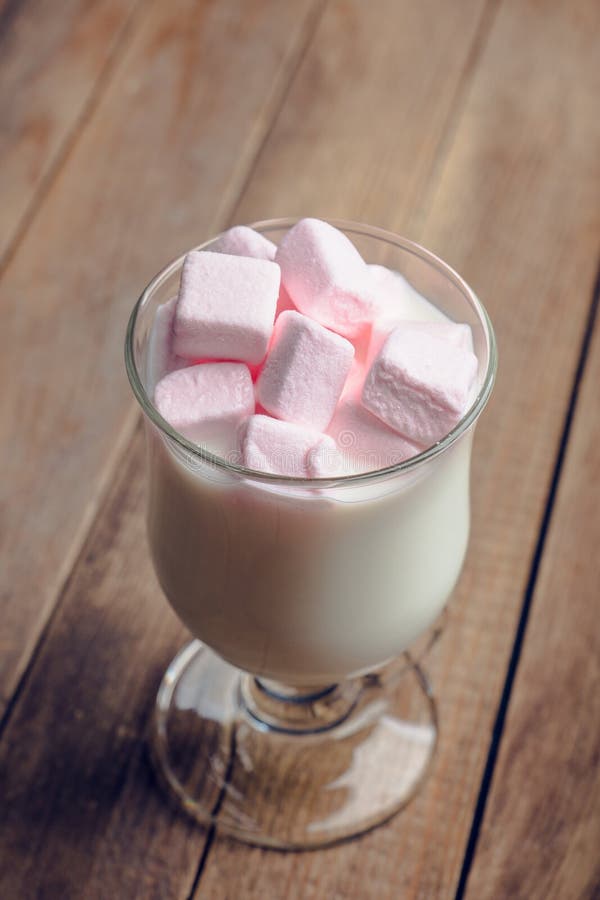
[(50, 66), (74, 779), (516, 209), (177, 126), (128, 843), (541, 831), (509, 195), (363, 123)]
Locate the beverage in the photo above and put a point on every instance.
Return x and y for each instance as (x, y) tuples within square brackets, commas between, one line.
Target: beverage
[(307, 583), (301, 584)]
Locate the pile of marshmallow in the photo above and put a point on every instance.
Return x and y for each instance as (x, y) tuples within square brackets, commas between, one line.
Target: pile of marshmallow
[(316, 363)]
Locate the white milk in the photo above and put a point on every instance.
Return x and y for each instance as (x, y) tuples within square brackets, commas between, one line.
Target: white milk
[(305, 589), (302, 585)]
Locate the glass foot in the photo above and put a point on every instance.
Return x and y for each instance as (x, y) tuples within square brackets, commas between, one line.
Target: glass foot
[(285, 767)]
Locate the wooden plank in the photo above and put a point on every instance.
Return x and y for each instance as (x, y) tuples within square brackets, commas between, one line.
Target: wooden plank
[(360, 132), (515, 208), (73, 767), (172, 136), (403, 848), (541, 830), (50, 66)]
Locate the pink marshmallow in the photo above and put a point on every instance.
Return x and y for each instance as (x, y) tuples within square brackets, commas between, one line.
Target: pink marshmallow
[(161, 358), (325, 276), (305, 371), (395, 301), (284, 302), (363, 440), (199, 401), (420, 384), (226, 307), (283, 448), (457, 334), (243, 241)]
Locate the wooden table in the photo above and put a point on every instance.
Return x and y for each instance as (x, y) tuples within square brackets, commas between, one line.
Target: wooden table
[(133, 129)]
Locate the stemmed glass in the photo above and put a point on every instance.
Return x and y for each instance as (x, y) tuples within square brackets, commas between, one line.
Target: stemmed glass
[(297, 717)]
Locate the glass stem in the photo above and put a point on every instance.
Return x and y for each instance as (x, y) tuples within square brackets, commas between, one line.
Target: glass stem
[(292, 709)]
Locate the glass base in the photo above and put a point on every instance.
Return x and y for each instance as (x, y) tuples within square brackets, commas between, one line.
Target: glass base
[(285, 767)]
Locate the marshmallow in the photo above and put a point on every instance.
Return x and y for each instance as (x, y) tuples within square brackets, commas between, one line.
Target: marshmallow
[(161, 358), (457, 334), (201, 401), (398, 303), (305, 371), (419, 384), (364, 441), (395, 298), (325, 276), (243, 241), (226, 307), (283, 448), (284, 302)]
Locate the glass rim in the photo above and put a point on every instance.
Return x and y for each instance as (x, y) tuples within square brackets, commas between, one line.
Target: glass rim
[(413, 462)]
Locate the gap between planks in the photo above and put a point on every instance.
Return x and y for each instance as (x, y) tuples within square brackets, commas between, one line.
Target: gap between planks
[(76, 551), (497, 732), (455, 111), (68, 143), (259, 136), (7, 14)]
